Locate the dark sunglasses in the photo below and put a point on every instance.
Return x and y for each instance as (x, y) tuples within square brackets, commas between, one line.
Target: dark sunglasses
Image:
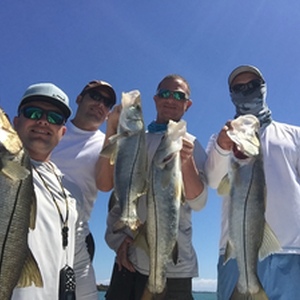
[(244, 87), (96, 96), (166, 94), (36, 113)]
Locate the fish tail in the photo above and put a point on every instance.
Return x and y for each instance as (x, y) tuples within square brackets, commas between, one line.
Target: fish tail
[(260, 295), (147, 295)]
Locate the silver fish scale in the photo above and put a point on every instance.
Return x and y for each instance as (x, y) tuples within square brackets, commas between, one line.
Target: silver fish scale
[(130, 176), (131, 160), (15, 205), (246, 220), (163, 213)]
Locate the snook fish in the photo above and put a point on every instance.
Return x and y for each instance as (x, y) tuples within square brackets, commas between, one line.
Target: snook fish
[(250, 237), (127, 151), (163, 207), (17, 213)]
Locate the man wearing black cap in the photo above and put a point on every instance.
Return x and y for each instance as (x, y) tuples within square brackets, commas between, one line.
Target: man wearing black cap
[(76, 156), (279, 273), (40, 124)]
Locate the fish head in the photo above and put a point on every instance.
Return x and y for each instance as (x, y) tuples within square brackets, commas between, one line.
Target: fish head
[(131, 117), (171, 143), (10, 143), (244, 133)]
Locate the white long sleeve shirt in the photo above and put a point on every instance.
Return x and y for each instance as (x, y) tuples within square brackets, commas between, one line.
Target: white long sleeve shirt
[(281, 154), (187, 265)]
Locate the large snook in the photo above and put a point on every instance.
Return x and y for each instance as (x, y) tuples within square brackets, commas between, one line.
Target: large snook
[(250, 237), (17, 213), (127, 150), (163, 207)]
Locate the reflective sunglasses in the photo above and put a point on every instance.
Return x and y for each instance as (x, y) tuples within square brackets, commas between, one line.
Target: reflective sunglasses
[(96, 96), (244, 87), (166, 94), (36, 113)]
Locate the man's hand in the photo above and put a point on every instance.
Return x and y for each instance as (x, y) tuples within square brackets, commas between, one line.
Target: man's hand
[(122, 255), (223, 139)]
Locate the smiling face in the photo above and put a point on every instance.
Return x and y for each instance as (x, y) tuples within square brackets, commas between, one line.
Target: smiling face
[(170, 108), (39, 137)]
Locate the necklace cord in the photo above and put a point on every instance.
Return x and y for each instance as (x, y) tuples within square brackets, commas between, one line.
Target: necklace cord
[(65, 228)]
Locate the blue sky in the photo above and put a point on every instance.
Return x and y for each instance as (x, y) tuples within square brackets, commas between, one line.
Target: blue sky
[(133, 45)]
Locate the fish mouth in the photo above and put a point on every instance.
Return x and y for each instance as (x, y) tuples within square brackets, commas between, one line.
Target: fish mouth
[(244, 134), (238, 153)]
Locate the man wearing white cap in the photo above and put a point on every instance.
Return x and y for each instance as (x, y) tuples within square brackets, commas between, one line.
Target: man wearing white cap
[(40, 123), (76, 156), (279, 273)]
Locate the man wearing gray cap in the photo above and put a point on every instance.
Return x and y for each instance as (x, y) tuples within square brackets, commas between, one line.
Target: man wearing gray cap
[(279, 273), (76, 156), (42, 113)]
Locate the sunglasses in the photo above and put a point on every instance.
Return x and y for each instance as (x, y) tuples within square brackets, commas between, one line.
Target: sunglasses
[(166, 94), (96, 96), (36, 113), (249, 86)]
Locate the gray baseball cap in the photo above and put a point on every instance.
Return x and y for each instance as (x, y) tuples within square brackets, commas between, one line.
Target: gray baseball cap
[(242, 69), (47, 92)]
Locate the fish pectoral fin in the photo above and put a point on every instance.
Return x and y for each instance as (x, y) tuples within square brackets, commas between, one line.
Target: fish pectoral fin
[(270, 243), (15, 171), (109, 151), (182, 197), (224, 186), (175, 254), (229, 252), (30, 273), (112, 201), (33, 211), (147, 295)]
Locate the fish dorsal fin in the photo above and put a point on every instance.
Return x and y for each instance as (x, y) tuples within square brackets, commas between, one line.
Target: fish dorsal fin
[(270, 243), (30, 273), (229, 252), (224, 186)]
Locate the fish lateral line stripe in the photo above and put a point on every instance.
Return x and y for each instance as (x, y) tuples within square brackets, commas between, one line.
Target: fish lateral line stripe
[(244, 227)]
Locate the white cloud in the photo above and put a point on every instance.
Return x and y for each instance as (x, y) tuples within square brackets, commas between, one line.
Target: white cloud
[(204, 285), (104, 281)]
